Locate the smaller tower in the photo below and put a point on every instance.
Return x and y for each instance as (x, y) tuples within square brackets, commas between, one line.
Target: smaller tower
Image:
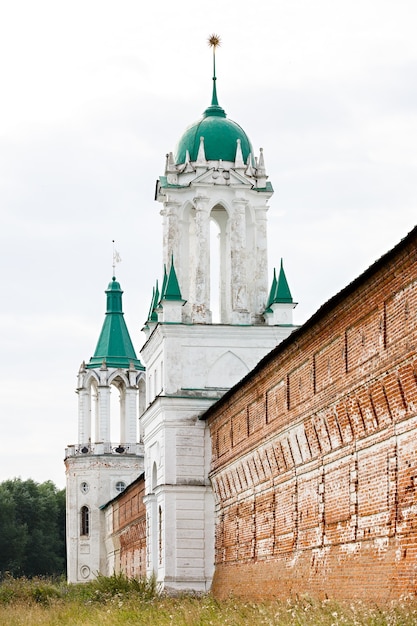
[(280, 303), (111, 390)]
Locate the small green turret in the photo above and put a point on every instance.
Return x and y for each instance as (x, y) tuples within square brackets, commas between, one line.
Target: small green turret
[(114, 347)]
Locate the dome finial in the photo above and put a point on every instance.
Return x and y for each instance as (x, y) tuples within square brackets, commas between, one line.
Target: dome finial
[(214, 42)]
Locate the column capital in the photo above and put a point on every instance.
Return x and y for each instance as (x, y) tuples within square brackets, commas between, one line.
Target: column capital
[(200, 202), (169, 207)]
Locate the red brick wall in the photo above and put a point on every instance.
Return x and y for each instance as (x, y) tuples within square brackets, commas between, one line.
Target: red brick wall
[(129, 527), (314, 456)]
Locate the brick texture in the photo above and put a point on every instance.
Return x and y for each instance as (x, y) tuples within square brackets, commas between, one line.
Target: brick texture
[(129, 530), (314, 455)]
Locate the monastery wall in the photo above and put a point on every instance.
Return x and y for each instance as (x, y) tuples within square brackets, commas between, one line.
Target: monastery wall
[(314, 454), (129, 531)]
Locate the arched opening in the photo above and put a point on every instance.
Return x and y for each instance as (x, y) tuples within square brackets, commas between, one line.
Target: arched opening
[(219, 265), (94, 414), (117, 398), (114, 414), (117, 433), (215, 271)]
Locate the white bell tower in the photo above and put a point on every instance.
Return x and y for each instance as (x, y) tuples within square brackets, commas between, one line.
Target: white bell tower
[(99, 467), (213, 177)]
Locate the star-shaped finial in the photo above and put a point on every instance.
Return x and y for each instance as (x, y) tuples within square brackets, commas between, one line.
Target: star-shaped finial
[(214, 41)]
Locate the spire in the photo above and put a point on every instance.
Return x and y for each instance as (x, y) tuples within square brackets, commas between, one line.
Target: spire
[(170, 164), (213, 42), (283, 293), (172, 291), (201, 156), (153, 315), (151, 307), (187, 166), (261, 163), (272, 291), (278, 311), (249, 168), (239, 162), (114, 346), (214, 109), (164, 282)]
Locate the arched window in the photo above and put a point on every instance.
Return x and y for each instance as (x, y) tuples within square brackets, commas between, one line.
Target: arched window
[(85, 521)]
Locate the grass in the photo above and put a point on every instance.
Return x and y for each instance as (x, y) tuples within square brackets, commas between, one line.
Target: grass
[(117, 601)]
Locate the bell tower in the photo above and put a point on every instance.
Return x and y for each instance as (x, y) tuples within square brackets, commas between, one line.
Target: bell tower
[(111, 387), (212, 180)]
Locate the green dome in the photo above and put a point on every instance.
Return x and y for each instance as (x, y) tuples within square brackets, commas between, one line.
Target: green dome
[(220, 137)]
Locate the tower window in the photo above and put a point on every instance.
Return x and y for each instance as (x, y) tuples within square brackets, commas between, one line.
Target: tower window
[(85, 521), (120, 486), (84, 487)]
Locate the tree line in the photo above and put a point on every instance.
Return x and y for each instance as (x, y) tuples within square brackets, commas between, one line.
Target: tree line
[(32, 528)]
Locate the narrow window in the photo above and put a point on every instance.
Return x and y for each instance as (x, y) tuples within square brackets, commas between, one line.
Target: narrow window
[(85, 520)]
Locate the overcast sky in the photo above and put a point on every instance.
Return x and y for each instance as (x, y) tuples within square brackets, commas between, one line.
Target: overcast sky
[(93, 94)]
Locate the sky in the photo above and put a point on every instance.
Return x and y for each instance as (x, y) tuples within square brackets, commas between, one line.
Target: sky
[(93, 94)]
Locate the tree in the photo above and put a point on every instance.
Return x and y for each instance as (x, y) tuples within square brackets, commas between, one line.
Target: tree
[(32, 528)]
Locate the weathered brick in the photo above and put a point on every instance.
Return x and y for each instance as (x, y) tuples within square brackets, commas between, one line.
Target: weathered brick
[(327, 501)]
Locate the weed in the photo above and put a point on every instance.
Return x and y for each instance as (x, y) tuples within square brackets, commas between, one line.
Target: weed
[(119, 601)]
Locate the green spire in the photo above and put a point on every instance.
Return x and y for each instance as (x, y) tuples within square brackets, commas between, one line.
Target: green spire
[(283, 293), (151, 306), (114, 346), (214, 108), (272, 291), (171, 291), (153, 315), (214, 41), (164, 281), (280, 292)]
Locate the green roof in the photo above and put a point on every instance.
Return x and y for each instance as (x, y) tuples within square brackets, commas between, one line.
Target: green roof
[(114, 346), (153, 315), (283, 293), (280, 292), (272, 291), (220, 136), (171, 289)]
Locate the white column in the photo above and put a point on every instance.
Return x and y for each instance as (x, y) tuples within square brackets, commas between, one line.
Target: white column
[(151, 534), (200, 277), (129, 429), (103, 414), (171, 234), (261, 265), (240, 314), (84, 416)]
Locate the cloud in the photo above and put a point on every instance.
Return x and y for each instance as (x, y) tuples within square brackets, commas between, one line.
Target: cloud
[(93, 97)]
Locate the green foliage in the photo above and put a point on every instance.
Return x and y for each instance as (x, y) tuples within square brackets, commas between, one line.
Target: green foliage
[(102, 590), (32, 528), (118, 601), (105, 588), (24, 590)]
